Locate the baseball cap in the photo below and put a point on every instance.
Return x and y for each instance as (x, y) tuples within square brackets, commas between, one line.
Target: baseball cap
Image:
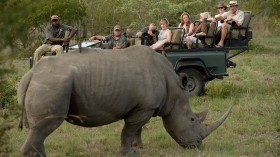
[(117, 27)]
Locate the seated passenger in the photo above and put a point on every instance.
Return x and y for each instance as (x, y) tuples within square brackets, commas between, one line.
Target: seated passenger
[(187, 25), (163, 37), (56, 36), (222, 12), (235, 16), (115, 41), (200, 30), (151, 31)]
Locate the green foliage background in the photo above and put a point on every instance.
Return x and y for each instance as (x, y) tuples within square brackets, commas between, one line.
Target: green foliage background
[(23, 29), (23, 22)]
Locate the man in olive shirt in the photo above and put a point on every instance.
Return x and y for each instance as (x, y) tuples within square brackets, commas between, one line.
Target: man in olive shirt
[(115, 41), (56, 35), (235, 16)]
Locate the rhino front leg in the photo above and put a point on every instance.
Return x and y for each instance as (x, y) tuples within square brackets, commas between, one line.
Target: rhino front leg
[(137, 142), (133, 128), (127, 137)]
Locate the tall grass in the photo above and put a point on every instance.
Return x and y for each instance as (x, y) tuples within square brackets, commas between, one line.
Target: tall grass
[(252, 129)]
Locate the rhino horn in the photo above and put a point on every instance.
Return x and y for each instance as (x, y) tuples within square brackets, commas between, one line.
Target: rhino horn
[(211, 127)]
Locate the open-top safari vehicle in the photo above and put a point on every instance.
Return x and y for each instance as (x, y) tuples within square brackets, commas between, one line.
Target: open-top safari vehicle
[(205, 62), (202, 63)]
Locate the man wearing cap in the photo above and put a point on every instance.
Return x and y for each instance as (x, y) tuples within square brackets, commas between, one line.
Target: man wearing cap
[(234, 16), (115, 41), (56, 35)]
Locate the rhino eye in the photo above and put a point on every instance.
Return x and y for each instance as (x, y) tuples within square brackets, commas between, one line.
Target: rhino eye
[(192, 119)]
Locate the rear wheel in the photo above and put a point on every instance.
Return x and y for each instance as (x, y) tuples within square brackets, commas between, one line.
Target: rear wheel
[(195, 82)]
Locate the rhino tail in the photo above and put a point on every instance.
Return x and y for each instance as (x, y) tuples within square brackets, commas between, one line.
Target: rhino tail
[(21, 93)]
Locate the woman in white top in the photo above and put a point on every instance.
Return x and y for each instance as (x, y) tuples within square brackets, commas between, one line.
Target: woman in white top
[(222, 11), (163, 37)]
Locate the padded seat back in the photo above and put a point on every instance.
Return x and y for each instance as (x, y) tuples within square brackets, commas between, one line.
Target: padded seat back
[(138, 41), (176, 35), (239, 33), (211, 34), (176, 39), (130, 42)]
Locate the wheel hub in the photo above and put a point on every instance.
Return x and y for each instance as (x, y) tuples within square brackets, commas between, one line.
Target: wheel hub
[(191, 84)]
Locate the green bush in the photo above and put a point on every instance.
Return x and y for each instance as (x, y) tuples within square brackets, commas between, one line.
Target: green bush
[(8, 118), (9, 111)]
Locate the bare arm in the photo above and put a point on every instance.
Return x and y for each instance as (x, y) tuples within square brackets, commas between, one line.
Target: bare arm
[(70, 36), (231, 19), (138, 34), (98, 37), (72, 33), (57, 40), (219, 18), (169, 36), (191, 29)]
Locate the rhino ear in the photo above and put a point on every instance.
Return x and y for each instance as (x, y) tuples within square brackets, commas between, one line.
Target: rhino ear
[(183, 80), (202, 115)]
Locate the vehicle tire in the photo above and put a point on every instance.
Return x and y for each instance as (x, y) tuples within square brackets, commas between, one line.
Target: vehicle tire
[(195, 82)]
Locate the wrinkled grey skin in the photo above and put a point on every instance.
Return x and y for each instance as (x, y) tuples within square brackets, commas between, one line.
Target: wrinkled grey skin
[(98, 87)]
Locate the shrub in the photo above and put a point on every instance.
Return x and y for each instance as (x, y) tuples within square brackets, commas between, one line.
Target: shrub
[(8, 108)]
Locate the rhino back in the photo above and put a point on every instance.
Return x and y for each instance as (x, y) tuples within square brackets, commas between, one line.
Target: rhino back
[(106, 85)]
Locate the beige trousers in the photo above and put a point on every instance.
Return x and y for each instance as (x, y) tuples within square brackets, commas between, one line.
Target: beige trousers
[(43, 49)]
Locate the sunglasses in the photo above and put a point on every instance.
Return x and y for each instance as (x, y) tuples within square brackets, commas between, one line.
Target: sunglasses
[(232, 6), (117, 30), (220, 7), (54, 20)]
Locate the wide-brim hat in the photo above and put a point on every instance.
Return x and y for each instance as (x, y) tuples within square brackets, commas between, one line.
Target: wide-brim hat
[(221, 5)]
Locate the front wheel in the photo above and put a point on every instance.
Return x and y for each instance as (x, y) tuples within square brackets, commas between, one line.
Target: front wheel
[(195, 82)]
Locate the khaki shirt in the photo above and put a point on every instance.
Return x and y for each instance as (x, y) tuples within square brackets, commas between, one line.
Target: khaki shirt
[(238, 16), (53, 32)]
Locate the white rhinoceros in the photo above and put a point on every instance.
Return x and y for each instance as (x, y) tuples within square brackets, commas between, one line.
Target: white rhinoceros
[(98, 87)]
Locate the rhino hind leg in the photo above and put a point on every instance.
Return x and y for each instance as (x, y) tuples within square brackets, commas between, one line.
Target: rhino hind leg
[(132, 131), (34, 144)]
